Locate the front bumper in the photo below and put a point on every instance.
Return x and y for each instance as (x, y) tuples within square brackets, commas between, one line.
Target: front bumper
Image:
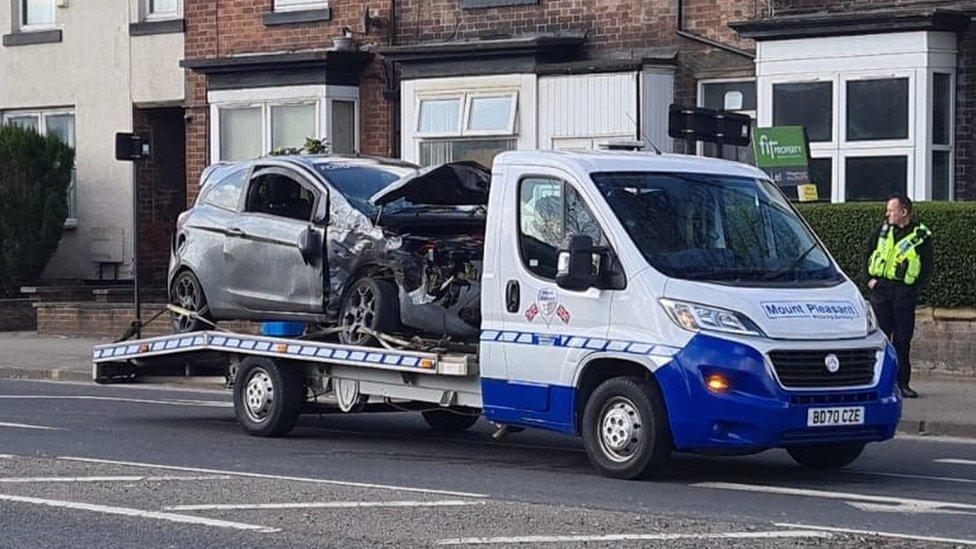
[(756, 412)]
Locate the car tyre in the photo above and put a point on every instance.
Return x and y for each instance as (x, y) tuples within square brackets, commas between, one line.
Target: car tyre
[(625, 429), (187, 292), (268, 397), (826, 456), (448, 420), (370, 303)]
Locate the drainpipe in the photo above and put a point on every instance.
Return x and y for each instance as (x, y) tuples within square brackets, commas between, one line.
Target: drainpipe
[(392, 87), (707, 41)]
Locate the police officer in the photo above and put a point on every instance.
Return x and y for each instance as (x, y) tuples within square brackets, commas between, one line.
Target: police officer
[(899, 263)]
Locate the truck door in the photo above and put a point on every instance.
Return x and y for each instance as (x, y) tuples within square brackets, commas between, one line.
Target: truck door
[(546, 329)]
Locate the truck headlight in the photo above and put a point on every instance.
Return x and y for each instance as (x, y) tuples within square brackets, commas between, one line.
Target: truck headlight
[(871, 318), (696, 317)]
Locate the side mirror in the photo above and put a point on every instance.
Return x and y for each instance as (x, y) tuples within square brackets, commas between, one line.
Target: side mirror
[(310, 245), (578, 266)]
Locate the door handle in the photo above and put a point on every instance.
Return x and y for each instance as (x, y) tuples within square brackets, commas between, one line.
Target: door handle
[(234, 231), (512, 296)]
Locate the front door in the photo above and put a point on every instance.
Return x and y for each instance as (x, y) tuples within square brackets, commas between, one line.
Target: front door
[(547, 329), (269, 273)]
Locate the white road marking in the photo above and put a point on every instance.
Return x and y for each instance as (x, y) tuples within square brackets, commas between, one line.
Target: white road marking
[(31, 480), (140, 387), (893, 504), (278, 477), (954, 541), (918, 477), (782, 534), (935, 438), (954, 461), (139, 513), (324, 505), (166, 402), (26, 426), (6, 456)]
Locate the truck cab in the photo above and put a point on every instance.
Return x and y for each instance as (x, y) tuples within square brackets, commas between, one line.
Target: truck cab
[(656, 302)]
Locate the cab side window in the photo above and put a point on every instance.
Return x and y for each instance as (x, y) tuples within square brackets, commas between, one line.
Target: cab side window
[(279, 195), (550, 211), (226, 193)]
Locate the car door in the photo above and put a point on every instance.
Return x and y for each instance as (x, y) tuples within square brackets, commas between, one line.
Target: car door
[(546, 328), (268, 270)]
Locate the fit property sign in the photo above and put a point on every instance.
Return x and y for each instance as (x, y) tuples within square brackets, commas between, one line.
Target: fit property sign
[(782, 152)]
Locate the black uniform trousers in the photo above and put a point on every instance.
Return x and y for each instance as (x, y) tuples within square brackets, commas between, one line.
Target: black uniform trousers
[(894, 305)]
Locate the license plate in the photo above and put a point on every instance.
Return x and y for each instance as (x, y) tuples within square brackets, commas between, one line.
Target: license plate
[(826, 417)]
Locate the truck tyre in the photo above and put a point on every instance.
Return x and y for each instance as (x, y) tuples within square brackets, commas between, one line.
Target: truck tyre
[(826, 456), (449, 420), (625, 429), (268, 397), (370, 303), (187, 292)]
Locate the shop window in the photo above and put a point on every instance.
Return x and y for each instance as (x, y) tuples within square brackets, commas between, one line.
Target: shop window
[(875, 177), (877, 109), (808, 104)]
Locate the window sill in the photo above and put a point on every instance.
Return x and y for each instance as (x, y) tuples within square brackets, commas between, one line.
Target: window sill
[(157, 26), (27, 38), (295, 17), (70, 224), (478, 4)]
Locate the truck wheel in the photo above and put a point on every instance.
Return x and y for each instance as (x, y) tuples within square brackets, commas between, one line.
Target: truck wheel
[(449, 420), (369, 303), (188, 293), (826, 456), (268, 397), (625, 429)]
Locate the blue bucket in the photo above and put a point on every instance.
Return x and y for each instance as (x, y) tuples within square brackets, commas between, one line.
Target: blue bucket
[(284, 329)]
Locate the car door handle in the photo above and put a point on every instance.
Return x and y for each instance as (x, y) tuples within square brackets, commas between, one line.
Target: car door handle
[(512, 297), (234, 231)]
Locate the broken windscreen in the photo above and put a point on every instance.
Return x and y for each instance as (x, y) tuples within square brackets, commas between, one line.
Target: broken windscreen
[(358, 182)]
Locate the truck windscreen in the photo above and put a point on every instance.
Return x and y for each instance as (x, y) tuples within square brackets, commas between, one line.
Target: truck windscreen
[(716, 227)]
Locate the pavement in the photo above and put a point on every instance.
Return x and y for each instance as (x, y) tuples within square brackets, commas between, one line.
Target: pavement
[(946, 406), (137, 466)]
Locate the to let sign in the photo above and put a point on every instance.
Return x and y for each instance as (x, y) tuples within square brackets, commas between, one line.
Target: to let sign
[(783, 153)]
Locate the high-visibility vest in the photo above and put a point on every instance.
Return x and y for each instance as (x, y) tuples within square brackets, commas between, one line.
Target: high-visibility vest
[(898, 261)]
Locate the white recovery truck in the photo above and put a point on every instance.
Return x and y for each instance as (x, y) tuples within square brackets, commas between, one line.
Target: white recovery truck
[(648, 303)]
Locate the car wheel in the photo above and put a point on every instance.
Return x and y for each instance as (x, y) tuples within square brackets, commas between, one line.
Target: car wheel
[(448, 420), (188, 293), (370, 303), (625, 429), (826, 456), (268, 397)]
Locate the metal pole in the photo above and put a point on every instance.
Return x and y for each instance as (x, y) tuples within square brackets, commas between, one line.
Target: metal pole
[(135, 249)]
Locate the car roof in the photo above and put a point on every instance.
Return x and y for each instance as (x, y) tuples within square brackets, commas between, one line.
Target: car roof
[(628, 161)]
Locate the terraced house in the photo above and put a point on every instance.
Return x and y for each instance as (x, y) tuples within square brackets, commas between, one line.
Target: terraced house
[(86, 70)]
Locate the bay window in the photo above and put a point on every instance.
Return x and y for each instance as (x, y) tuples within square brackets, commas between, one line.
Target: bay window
[(465, 126)]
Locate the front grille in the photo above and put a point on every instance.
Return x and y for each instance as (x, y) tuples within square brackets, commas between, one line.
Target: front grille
[(803, 369)]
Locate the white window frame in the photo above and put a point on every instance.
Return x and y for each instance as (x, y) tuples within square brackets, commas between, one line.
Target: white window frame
[(300, 5), (841, 101), (23, 26), (460, 97), (466, 113), (149, 15), (700, 101), (41, 114), (266, 98)]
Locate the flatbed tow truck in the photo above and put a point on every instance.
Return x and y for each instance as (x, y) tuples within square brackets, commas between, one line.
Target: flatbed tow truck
[(683, 305)]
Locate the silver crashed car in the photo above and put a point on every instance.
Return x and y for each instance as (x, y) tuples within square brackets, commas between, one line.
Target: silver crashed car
[(347, 241)]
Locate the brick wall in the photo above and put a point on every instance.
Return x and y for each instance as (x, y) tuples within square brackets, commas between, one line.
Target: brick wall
[(220, 28), (110, 320)]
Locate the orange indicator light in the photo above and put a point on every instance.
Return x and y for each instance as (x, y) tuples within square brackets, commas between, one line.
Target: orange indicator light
[(717, 383)]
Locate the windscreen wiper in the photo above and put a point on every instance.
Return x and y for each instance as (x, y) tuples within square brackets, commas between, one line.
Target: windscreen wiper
[(792, 266)]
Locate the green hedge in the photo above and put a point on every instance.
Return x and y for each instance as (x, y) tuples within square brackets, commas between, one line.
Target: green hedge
[(844, 228), (35, 172)]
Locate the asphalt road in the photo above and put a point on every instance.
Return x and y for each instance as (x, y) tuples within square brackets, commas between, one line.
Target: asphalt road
[(125, 466)]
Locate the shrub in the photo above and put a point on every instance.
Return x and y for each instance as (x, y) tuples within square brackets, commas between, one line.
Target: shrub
[(35, 172), (845, 229)]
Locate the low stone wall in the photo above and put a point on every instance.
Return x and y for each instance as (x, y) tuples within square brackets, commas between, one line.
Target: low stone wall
[(17, 315), (945, 342), (110, 320)]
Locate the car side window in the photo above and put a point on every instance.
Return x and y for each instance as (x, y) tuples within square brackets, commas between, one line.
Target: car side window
[(226, 193), (550, 211), (279, 195)]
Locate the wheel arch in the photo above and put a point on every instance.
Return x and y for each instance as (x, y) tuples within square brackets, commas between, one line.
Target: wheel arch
[(599, 369)]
